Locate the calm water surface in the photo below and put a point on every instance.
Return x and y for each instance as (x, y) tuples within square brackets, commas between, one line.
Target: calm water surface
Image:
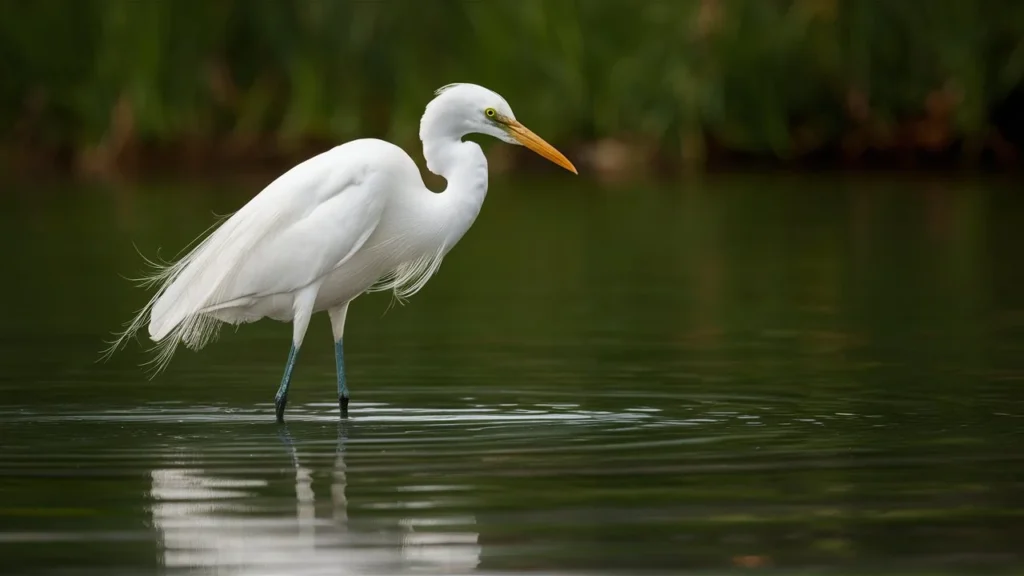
[(790, 374)]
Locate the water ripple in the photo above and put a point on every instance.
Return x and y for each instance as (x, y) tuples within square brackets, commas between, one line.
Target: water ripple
[(482, 483)]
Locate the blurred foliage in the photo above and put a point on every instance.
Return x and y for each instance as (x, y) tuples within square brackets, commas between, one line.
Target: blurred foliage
[(775, 77)]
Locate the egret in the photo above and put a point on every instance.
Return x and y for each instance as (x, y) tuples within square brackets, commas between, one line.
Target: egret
[(354, 219)]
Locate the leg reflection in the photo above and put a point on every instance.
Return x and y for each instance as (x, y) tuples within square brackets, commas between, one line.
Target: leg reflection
[(340, 476), (210, 517), (305, 498)]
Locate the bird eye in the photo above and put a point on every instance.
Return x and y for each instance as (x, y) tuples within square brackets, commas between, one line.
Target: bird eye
[(491, 112)]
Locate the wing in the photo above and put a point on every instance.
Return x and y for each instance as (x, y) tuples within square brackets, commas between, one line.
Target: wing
[(300, 227)]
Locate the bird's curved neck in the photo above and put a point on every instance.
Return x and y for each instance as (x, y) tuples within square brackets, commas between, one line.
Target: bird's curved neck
[(464, 166)]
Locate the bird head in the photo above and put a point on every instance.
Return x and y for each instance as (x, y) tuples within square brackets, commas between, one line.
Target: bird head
[(460, 109)]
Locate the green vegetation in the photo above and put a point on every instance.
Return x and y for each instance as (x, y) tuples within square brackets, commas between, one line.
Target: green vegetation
[(95, 80)]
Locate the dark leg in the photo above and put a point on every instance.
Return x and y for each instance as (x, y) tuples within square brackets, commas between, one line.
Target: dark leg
[(339, 360), (281, 398)]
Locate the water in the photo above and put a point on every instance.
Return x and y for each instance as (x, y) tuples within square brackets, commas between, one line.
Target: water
[(799, 374)]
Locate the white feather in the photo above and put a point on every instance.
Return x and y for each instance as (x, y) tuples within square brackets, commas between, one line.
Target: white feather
[(411, 276)]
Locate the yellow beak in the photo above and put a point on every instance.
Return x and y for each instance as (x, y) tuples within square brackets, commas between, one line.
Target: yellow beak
[(527, 138)]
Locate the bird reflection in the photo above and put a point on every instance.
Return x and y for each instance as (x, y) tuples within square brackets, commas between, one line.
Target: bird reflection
[(209, 522)]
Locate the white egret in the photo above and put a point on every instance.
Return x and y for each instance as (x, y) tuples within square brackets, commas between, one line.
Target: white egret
[(353, 219)]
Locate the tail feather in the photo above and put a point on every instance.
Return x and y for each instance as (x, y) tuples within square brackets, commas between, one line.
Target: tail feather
[(186, 288), (193, 330)]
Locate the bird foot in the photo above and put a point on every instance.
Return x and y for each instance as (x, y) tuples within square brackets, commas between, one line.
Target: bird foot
[(279, 403), (343, 405)]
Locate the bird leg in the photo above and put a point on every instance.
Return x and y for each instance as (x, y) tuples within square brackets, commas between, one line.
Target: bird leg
[(337, 315), (339, 361), (303, 307), (281, 398)]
